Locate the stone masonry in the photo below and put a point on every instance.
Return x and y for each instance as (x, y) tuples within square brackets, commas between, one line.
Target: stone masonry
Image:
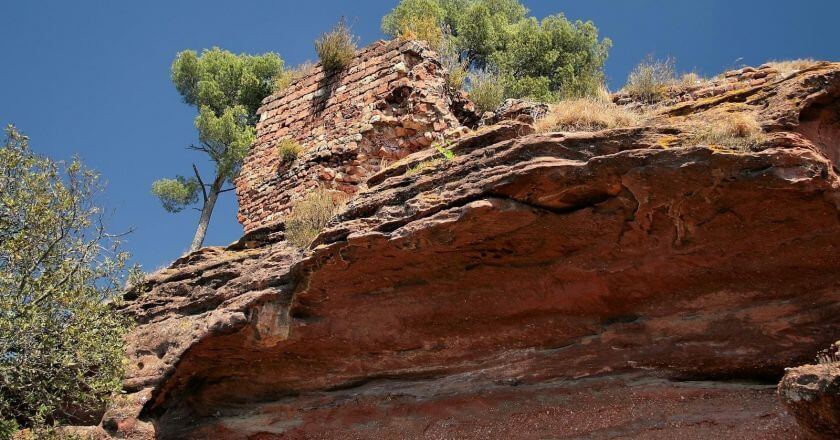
[(391, 101)]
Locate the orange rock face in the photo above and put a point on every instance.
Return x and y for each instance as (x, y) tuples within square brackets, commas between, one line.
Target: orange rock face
[(615, 284)]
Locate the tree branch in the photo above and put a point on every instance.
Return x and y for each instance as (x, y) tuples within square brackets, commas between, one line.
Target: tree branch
[(201, 183), (226, 190), (194, 148)]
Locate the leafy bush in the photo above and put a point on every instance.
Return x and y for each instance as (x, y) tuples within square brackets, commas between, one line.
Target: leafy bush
[(733, 130), (288, 150), (552, 59), (60, 341), (586, 114), (177, 193), (543, 59), (424, 28), (336, 48), (220, 79), (486, 90), (311, 214), (651, 79)]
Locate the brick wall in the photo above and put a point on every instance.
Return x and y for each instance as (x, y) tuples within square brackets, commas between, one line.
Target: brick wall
[(391, 101)]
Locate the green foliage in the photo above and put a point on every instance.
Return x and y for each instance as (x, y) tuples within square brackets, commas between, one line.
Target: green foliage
[(486, 90), (311, 214), (226, 138), (227, 89), (445, 151), (408, 12), (288, 150), (336, 48), (420, 167), (135, 276), (651, 79), (60, 341), (176, 194), (546, 60), (553, 59), (7, 429), (219, 79)]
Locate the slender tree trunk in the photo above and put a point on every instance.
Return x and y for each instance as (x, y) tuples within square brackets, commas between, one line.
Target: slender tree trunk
[(206, 212)]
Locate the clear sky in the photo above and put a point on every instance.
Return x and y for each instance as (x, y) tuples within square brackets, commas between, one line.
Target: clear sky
[(92, 77)]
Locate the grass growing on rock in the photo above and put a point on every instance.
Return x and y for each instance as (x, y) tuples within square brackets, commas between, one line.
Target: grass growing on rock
[(587, 114), (420, 167), (289, 76), (311, 214), (288, 150), (336, 48), (787, 67), (738, 131)]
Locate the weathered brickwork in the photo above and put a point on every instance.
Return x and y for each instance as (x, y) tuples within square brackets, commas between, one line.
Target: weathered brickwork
[(390, 102)]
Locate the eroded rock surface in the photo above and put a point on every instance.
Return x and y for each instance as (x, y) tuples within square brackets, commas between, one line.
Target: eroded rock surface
[(615, 284), (812, 394)]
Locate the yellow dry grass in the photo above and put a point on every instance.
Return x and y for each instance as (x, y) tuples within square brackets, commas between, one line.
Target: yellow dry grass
[(786, 67), (587, 114)]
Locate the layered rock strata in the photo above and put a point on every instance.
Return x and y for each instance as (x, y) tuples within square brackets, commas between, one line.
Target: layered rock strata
[(625, 283)]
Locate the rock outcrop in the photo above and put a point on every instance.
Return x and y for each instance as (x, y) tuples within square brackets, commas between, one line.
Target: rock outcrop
[(616, 284), (812, 394)]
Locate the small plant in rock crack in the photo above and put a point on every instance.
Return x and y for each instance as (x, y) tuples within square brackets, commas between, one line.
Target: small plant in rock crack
[(445, 150)]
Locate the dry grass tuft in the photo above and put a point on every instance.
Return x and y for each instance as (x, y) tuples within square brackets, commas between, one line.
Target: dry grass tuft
[(336, 48), (311, 214), (787, 67), (692, 79), (738, 131), (586, 114), (287, 77), (651, 79), (288, 150)]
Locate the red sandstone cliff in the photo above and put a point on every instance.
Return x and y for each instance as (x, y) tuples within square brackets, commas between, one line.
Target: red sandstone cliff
[(615, 284)]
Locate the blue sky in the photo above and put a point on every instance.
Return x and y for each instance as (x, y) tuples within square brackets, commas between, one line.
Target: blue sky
[(92, 77)]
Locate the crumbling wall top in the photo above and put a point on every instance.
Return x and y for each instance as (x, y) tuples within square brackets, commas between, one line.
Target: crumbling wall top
[(391, 101)]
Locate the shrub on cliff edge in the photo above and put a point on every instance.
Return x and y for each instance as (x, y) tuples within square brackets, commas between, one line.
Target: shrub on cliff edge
[(337, 47), (651, 79), (486, 90), (311, 214), (288, 150), (545, 59)]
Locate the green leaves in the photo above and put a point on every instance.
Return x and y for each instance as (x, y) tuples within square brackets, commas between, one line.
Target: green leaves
[(227, 89), (60, 342), (545, 60), (176, 194), (227, 137), (219, 79)]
